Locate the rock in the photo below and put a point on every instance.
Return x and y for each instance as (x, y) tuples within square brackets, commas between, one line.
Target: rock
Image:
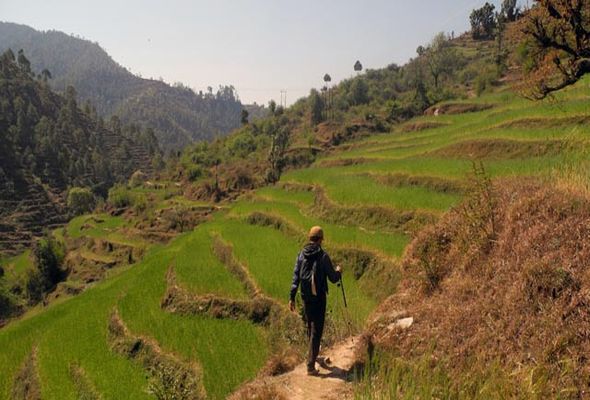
[(402, 324)]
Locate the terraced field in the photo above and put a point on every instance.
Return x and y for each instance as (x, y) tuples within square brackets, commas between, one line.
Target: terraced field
[(117, 337)]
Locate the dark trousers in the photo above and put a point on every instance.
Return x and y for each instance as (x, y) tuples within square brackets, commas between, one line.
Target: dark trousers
[(315, 314)]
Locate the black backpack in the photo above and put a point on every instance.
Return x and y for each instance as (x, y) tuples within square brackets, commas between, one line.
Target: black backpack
[(308, 274)]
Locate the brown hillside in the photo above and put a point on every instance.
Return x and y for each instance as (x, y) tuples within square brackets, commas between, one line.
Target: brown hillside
[(500, 281)]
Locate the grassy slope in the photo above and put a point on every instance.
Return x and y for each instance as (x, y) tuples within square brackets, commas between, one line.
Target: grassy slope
[(231, 352)]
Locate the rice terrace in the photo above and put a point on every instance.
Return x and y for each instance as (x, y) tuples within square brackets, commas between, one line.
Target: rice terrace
[(149, 232)]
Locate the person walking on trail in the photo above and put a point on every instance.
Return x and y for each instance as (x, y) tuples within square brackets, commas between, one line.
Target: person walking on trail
[(313, 268)]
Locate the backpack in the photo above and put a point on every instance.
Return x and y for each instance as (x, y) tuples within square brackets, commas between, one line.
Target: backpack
[(308, 276)]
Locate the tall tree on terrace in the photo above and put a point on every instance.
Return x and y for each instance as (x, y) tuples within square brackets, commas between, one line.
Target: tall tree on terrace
[(483, 22), (510, 10), (328, 102), (316, 107), (358, 67), (440, 57), (23, 62), (279, 132), (558, 44), (244, 116)]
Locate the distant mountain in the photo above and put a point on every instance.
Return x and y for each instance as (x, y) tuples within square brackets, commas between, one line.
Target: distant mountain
[(49, 144), (177, 114)]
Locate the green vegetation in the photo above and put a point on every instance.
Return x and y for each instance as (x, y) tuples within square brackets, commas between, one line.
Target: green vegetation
[(397, 169), (80, 200)]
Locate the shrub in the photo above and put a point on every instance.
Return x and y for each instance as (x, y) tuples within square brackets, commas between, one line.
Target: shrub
[(8, 303), (429, 252), (80, 200), (119, 196), (194, 172), (140, 203), (48, 256), (34, 287), (544, 283), (137, 179)]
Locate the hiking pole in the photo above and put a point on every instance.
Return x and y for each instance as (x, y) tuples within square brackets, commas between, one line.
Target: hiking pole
[(343, 294), (345, 311)]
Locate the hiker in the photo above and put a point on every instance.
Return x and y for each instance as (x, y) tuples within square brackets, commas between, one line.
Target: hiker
[(313, 268)]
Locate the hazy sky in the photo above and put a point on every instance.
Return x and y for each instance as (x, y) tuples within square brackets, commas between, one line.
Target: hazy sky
[(259, 46)]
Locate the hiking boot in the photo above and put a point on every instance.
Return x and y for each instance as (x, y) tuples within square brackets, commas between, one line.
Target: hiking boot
[(313, 372)]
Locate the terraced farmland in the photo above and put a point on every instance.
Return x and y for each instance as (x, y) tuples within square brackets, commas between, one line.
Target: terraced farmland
[(370, 198)]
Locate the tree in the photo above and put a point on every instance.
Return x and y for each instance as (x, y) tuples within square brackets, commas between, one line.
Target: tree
[(359, 92), (80, 200), (45, 75), (557, 45), (327, 92), (358, 67), (244, 116), (48, 256), (280, 136), (483, 22), (510, 11), (9, 54), (272, 106), (23, 62), (440, 57), (317, 106)]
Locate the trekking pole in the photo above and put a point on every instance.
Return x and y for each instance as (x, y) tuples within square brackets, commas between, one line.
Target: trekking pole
[(345, 311), (343, 294)]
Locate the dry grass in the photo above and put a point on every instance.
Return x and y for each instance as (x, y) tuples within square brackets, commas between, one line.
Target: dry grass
[(501, 149), (417, 126), (26, 382), (172, 378), (84, 387), (268, 220), (375, 217), (180, 301), (544, 123), (521, 299), (457, 108), (434, 183), (224, 252), (344, 162)]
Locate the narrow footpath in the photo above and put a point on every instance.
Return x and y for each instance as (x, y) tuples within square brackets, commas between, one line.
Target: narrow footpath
[(333, 382)]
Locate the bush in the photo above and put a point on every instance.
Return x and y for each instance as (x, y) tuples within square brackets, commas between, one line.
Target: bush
[(7, 301), (80, 200), (140, 203), (34, 287), (429, 251), (194, 172), (119, 196), (137, 179), (48, 256), (485, 80)]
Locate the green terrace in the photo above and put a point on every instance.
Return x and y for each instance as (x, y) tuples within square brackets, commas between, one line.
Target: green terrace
[(370, 210)]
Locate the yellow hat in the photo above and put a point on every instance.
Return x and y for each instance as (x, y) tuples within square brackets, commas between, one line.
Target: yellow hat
[(316, 233)]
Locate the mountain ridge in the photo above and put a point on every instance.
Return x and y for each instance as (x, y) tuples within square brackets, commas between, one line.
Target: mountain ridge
[(183, 116)]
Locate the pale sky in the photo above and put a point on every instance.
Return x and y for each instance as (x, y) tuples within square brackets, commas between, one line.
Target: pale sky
[(259, 46)]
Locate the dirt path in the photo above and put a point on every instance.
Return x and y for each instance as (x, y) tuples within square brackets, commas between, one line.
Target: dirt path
[(332, 383)]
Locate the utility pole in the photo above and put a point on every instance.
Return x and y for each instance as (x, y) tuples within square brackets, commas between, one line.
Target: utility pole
[(284, 98)]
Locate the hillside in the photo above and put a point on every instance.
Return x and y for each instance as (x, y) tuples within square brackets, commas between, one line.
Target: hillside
[(49, 145), (177, 115), (457, 208), (403, 173)]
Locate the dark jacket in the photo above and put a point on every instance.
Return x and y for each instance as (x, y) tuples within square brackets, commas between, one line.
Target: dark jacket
[(326, 270)]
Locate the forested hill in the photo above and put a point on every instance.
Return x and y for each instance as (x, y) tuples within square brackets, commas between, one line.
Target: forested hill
[(177, 114), (49, 144)]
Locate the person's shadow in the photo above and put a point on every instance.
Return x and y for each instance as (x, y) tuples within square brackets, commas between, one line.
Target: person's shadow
[(335, 372)]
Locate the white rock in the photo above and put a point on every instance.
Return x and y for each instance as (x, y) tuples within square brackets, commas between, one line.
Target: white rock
[(403, 323)]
